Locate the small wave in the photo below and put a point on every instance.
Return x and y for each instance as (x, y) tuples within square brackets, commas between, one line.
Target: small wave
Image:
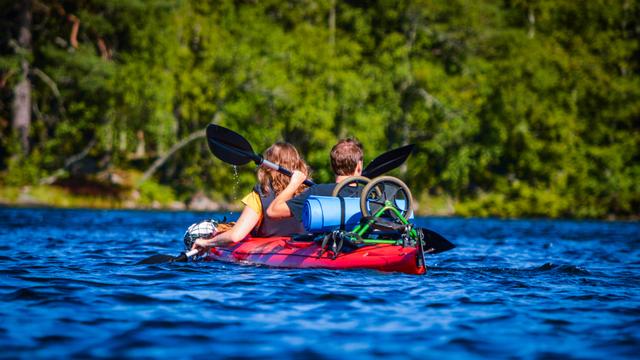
[(498, 318), (133, 298), (166, 324), (557, 322), (198, 337), (238, 283), (630, 311), (63, 300), (167, 275), (336, 297), (94, 322), (54, 339), (188, 269), (465, 342), (375, 300), (563, 269), (467, 300), (13, 271), (27, 294), (309, 354), (438, 305), (547, 267), (64, 282), (598, 297), (511, 283), (551, 355), (307, 278)]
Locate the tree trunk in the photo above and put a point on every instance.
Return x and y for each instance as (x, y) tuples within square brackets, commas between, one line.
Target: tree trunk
[(532, 23), (332, 46), (21, 121)]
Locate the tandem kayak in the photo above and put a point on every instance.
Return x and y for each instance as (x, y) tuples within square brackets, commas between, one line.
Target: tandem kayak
[(283, 252)]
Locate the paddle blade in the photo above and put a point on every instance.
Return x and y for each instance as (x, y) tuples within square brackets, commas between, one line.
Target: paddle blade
[(230, 146), (161, 259), (388, 161), (435, 243)]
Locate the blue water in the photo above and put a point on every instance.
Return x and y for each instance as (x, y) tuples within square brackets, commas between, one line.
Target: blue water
[(516, 289)]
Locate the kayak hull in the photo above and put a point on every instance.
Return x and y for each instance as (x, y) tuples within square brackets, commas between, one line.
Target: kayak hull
[(285, 253)]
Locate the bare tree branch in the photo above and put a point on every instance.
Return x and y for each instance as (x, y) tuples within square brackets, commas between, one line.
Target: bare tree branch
[(47, 80), (162, 159), (104, 50), (73, 37), (6, 77), (70, 161)]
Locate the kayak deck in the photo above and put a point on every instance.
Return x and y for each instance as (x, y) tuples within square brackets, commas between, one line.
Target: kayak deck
[(286, 253)]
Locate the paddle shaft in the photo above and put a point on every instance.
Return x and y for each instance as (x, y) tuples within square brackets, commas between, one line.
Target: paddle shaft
[(280, 169), (190, 253)]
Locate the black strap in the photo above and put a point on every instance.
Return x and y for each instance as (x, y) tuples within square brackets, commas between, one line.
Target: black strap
[(303, 237), (342, 212), (383, 224)]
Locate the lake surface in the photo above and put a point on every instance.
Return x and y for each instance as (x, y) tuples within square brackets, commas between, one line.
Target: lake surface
[(512, 288)]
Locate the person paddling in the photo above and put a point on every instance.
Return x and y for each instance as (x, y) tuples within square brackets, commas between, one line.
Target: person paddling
[(271, 183), (346, 160)]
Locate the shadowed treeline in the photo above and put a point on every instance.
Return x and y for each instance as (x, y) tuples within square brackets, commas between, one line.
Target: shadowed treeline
[(518, 108)]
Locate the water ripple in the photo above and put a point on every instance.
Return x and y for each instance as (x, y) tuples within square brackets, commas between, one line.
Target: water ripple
[(511, 289)]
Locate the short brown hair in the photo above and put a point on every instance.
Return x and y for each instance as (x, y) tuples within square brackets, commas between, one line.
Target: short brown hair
[(345, 156)]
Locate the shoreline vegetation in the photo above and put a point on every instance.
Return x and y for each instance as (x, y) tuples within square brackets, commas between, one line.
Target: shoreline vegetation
[(517, 109), (153, 196)]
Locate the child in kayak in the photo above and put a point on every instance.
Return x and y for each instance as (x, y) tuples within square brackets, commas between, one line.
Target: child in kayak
[(271, 183), (346, 160)]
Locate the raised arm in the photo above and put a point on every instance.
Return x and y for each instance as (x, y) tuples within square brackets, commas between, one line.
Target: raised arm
[(278, 208)]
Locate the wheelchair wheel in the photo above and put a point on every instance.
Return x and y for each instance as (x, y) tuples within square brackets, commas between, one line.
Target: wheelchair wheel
[(350, 185), (386, 190)]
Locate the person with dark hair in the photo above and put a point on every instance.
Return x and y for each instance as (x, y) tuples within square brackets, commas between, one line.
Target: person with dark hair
[(253, 219), (346, 160)]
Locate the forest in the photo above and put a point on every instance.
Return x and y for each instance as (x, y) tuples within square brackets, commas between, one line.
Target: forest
[(518, 108)]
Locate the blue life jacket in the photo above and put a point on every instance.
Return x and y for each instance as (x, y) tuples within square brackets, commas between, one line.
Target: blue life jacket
[(270, 227)]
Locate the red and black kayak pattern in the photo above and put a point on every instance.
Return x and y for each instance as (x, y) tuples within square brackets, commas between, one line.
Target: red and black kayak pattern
[(286, 253)]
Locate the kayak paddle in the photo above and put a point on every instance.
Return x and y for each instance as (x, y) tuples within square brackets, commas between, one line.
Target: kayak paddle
[(160, 259), (387, 161), (435, 243), (232, 148)]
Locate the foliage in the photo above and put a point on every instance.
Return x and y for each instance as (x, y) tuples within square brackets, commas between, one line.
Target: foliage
[(151, 192), (518, 108)]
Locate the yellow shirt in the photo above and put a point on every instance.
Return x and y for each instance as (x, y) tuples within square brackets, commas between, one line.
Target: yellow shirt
[(252, 200)]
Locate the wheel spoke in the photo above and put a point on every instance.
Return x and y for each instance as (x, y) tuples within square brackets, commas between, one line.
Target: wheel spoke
[(390, 192)]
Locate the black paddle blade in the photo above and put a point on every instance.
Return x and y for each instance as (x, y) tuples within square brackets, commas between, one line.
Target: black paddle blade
[(230, 146), (435, 243), (161, 259), (388, 161)]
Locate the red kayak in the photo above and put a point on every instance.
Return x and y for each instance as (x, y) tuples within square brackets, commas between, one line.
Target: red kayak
[(286, 253)]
